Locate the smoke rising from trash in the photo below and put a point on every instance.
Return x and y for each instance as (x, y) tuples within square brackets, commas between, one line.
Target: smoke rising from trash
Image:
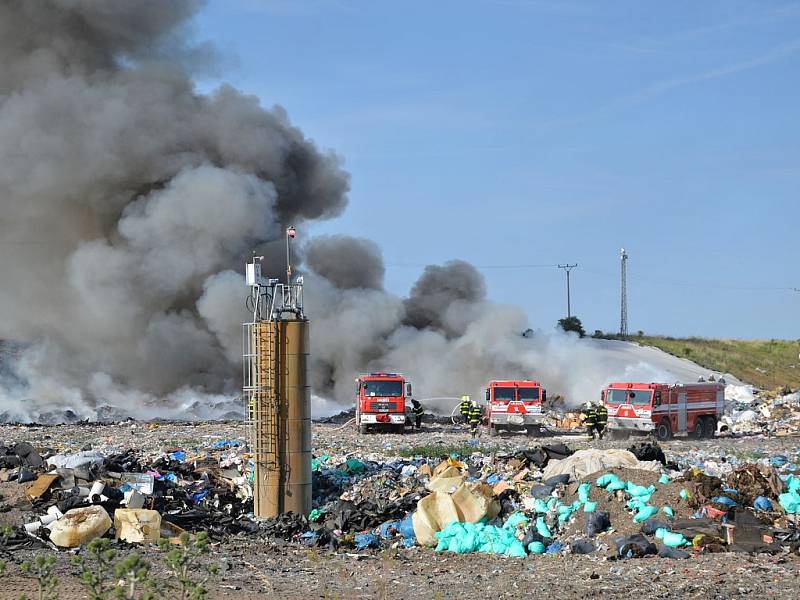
[(130, 203)]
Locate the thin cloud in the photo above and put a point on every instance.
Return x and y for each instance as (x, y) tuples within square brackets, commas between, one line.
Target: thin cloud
[(667, 85)]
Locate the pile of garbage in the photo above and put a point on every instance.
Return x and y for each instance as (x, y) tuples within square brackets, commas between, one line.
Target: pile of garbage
[(547, 499), (774, 413), (83, 495)]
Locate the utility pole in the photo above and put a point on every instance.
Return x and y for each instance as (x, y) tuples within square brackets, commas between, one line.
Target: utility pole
[(567, 268), (623, 309)]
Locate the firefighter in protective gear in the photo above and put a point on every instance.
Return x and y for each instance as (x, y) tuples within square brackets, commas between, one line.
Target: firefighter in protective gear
[(475, 414), (601, 414), (590, 418), (418, 412), (464, 408)]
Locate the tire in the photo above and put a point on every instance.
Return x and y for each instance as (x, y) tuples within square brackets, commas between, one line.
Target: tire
[(709, 427), (699, 430), (664, 431), (362, 429), (534, 430), (492, 431)]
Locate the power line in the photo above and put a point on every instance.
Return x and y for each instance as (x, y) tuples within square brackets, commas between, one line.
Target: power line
[(567, 268), (423, 265)]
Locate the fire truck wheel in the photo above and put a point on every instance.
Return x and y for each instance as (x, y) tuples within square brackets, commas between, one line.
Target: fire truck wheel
[(664, 431), (698, 430), (492, 431), (362, 429), (533, 430), (709, 427)]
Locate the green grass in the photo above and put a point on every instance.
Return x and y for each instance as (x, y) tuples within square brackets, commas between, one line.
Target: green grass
[(445, 450), (767, 364)]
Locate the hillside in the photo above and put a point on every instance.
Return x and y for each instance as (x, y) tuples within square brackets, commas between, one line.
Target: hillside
[(768, 364)]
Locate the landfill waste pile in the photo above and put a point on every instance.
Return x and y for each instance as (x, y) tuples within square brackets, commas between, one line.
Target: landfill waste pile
[(139, 483), (775, 413), (545, 499)]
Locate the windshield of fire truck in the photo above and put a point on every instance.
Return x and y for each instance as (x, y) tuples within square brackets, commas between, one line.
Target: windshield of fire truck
[(504, 394), (637, 397), (528, 393), (383, 388)]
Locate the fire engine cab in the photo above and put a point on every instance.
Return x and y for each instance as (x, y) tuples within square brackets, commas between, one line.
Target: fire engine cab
[(515, 405), (664, 409), (382, 400)]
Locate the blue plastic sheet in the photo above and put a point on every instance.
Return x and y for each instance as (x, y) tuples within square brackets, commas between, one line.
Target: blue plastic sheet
[(762, 503), (553, 548), (366, 540), (406, 529), (724, 501), (222, 444), (385, 529)]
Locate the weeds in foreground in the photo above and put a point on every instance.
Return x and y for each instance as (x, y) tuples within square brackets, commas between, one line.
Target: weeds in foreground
[(445, 450), (5, 533), (41, 569), (181, 561), (104, 578)]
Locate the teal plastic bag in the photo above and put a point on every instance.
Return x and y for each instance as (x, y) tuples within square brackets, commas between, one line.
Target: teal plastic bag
[(674, 540), (354, 466), (660, 533), (684, 494), (314, 515), (604, 480), (516, 548), (664, 479), (644, 514), (536, 548), (540, 506), (667, 510), (793, 483), (615, 485), (639, 490), (583, 492), (590, 507), (635, 504), (542, 528), (790, 502), (515, 519)]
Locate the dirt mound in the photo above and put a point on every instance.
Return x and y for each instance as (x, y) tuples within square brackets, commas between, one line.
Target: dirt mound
[(614, 502)]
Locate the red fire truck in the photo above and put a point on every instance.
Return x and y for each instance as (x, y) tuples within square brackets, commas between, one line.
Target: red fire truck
[(382, 401), (664, 409), (515, 405)]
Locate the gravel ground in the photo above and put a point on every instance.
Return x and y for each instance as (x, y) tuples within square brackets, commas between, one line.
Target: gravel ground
[(260, 568)]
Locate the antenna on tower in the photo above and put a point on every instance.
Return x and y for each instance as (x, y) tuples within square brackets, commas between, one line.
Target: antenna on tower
[(623, 309)]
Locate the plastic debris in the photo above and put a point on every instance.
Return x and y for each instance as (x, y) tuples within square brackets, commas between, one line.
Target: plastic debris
[(79, 526), (137, 526), (762, 503)]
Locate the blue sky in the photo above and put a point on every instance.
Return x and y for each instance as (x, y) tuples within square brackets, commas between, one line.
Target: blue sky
[(512, 133)]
